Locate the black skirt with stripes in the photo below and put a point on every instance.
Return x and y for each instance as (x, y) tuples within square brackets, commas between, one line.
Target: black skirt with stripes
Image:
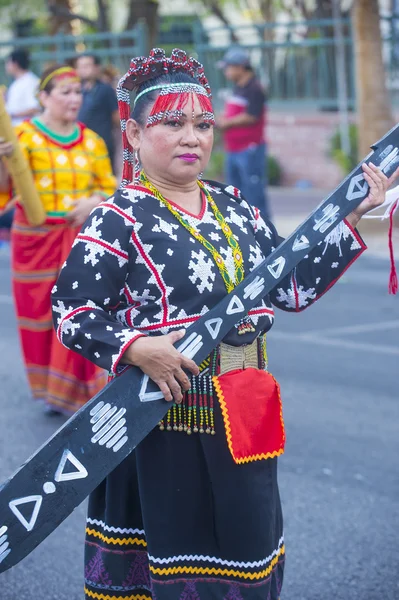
[(180, 520)]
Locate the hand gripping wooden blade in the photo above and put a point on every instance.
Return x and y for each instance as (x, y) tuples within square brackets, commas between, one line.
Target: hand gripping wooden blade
[(59, 476)]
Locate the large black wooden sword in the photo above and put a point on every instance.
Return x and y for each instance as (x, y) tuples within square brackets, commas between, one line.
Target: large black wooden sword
[(59, 476)]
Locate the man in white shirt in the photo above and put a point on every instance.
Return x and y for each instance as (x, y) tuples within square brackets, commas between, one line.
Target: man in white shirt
[(21, 100)]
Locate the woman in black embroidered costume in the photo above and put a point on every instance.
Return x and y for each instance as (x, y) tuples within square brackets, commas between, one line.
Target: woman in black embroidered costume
[(194, 512)]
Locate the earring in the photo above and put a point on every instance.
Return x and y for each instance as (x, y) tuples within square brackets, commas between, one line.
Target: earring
[(136, 168)]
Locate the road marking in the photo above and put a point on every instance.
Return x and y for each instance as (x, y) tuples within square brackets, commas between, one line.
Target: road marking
[(313, 339), (5, 299), (360, 328), (369, 277)]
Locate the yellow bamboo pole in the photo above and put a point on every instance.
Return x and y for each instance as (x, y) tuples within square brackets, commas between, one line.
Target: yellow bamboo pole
[(20, 171)]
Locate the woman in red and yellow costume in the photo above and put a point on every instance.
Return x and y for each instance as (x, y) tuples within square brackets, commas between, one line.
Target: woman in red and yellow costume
[(72, 174)]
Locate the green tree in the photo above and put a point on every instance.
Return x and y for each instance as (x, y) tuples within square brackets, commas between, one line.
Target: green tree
[(13, 12), (60, 14)]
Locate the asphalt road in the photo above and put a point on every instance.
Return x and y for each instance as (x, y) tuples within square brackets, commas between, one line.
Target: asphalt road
[(338, 365)]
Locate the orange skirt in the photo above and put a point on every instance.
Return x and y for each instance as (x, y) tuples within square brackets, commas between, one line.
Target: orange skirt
[(61, 378)]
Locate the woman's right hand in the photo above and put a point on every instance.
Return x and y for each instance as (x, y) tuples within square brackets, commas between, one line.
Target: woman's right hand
[(6, 148), (158, 358)]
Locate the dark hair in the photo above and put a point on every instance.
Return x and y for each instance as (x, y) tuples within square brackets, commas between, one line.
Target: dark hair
[(139, 110), (96, 59), (21, 58), (52, 81)]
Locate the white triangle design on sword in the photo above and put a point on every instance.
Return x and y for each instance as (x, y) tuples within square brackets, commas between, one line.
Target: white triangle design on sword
[(148, 396), (29, 525), (235, 306), (80, 473), (213, 326), (277, 267), (300, 243)]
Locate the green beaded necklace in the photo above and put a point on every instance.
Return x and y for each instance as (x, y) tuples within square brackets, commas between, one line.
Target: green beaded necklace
[(232, 242)]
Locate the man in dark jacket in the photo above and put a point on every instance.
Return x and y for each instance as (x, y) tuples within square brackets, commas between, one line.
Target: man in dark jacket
[(99, 109)]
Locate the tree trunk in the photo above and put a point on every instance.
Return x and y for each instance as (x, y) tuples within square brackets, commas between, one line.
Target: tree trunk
[(374, 110), (146, 10), (58, 20), (103, 15), (268, 15)]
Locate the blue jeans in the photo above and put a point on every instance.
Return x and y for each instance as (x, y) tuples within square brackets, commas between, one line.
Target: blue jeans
[(247, 170)]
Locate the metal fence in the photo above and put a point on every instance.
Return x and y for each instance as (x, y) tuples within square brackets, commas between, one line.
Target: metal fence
[(296, 61), (113, 49)]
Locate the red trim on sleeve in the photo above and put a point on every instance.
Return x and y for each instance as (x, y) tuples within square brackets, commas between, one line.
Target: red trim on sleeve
[(356, 234), (256, 213), (70, 315), (297, 309), (123, 349)]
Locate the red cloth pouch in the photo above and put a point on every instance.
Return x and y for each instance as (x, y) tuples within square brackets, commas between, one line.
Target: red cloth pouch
[(252, 413)]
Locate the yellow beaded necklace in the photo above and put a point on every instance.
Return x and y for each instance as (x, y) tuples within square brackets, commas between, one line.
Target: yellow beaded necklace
[(232, 242)]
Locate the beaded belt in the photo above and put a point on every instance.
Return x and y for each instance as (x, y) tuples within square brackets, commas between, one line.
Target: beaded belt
[(238, 357), (196, 412)]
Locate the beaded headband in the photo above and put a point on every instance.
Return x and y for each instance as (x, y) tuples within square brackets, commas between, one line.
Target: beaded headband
[(59, 74), (194, 87), (173, 97)]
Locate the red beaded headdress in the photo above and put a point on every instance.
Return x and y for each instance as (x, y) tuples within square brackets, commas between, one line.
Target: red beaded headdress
[(173, 97)]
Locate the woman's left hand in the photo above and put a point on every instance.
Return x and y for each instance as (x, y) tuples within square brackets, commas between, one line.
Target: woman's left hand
[(83, 207), (379, 184)]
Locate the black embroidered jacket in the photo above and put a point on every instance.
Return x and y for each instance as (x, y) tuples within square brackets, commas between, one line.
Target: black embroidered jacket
[(135, 270)]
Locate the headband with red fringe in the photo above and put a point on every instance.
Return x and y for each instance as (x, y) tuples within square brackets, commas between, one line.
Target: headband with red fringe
[(172, 98)]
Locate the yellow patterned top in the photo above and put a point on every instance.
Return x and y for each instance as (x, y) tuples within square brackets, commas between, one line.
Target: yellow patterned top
[(66, 169)]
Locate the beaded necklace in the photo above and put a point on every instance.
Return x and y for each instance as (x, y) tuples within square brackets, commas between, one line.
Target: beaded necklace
[(232, 242)]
